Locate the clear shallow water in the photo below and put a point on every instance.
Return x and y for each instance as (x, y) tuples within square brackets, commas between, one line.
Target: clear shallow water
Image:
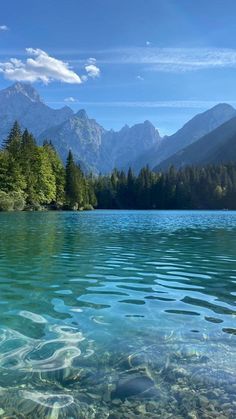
[(115, 314)]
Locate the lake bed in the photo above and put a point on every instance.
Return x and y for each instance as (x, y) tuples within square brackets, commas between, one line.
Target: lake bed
[(118, 314)]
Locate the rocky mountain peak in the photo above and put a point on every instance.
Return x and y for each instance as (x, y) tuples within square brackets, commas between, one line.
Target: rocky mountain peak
[(25, 89), (82, 114), (101, 150), (148, 123)]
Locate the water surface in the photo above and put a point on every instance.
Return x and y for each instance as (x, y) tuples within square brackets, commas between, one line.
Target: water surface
[(115, 314)]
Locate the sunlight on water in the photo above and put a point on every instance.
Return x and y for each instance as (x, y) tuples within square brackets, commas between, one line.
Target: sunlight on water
[(118, 314)]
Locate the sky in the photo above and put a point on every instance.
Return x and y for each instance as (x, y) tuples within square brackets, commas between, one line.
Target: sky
[(124, 61)]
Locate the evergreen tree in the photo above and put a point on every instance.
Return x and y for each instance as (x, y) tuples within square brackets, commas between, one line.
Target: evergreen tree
[(130, 189), (45, 189), (189, 188), (72, 186), (58, 171), (3, 170), (36, 176), (13, 141), (29, 160)]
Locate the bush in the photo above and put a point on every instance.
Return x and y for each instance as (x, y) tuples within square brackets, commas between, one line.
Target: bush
[(34, 206), (18, 201), (71, 206), (6, 202), (88, 207)]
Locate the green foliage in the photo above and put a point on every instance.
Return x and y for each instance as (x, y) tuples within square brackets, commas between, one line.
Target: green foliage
[(58, 172), (72, 185), (34, 174), (13, 141), (211, 187), (6, 202), (18, 201), (78, 190), (3, 170), (33, 177), (15, 176), (45, 188), (88, 207)]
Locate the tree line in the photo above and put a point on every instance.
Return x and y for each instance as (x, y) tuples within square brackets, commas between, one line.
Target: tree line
[(33, 177), (210, 187)]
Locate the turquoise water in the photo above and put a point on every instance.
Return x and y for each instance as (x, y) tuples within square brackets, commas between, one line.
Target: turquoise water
[(118, 314)]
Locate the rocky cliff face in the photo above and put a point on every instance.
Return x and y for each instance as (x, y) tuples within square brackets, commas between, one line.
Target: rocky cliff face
[(22, 102), (81, 135), (199, 126), (122, 148)]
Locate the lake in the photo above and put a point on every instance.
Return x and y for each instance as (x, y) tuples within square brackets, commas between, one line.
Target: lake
[(118, 314)]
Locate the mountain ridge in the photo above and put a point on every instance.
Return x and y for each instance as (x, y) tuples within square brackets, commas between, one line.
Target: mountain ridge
[(22, 102), (194, 129), (100, 150), (219, 146)]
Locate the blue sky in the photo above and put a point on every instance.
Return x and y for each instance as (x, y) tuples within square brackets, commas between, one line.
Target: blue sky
[(124, 61)]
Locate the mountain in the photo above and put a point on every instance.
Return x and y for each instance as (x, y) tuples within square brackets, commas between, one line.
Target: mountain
[(80, 134), (98, 149), (191, 132), (120, 149), (94, 147), (219, 146), (22, 102)]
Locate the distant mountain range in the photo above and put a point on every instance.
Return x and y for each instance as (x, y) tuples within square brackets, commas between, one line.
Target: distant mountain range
[(219, 146), (207, 138)]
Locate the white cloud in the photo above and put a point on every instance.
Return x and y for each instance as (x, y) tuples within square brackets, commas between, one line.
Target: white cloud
[(91, 60), (42, 67), (92, 70), (181, 104), (148, 43), (84, 78), (171, 59), (139, 78), (199, 105), (4, 28), (70, 99)]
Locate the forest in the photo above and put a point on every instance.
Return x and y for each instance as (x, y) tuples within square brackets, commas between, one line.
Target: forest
[(33, 177)]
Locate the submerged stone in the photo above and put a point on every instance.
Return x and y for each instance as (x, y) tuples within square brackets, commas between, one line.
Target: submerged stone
[(132, 387)]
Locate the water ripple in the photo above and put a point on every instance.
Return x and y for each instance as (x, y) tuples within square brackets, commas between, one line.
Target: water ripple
[(100, 304)]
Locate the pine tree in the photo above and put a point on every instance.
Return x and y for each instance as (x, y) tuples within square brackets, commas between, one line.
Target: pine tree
[(14, 179), (45, 188), (3, 170), (72, 187), (58, 171), (28, 142), (13, 141), (29, 160)]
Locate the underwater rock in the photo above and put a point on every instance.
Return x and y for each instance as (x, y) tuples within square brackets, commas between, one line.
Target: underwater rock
[(213, 376), (132, 387), (192, 415)]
